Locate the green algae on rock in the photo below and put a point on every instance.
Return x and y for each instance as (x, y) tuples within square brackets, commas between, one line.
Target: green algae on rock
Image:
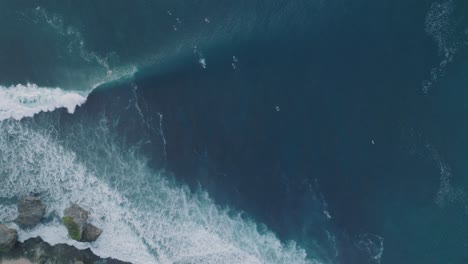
[(73, 229)]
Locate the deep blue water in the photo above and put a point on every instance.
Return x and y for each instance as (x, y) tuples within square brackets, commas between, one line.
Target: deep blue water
[(340, 125)]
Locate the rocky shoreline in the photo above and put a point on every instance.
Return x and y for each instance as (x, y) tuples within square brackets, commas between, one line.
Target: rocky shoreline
[(36, 251), (31, 211)]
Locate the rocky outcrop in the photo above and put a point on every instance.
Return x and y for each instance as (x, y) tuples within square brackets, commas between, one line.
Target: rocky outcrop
[(37, 251), (91, 233), (8, 238), (30, 211), (75, 219)]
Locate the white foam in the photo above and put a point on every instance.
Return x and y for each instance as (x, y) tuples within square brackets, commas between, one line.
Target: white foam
[(202, 62), (372, 245), (440, 26), (447, 193), (8, 213), (145, 217), (22, 101)]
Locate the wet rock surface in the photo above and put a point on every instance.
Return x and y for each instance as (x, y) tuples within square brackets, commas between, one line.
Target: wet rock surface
[(90, 233), (8, 238), (30, 211)]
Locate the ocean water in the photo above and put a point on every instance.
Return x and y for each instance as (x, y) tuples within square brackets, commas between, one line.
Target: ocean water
[(259, 131)]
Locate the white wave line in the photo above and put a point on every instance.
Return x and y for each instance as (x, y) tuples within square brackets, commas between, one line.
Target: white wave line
[(137, 107), (163, 137)]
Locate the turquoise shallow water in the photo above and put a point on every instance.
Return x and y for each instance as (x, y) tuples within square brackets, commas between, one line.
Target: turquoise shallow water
[(241, 132)]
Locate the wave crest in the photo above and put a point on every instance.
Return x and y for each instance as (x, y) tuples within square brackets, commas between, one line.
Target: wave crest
[(27, 100)]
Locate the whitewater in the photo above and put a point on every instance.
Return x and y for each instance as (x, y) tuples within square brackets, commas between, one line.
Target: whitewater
[(27, 100)]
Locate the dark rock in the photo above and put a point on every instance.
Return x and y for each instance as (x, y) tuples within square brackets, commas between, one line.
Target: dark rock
[(90, 233), (74, 218), (31, 210), (38, 251), (8, 238)]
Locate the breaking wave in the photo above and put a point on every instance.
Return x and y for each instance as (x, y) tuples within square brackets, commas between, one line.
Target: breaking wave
[(27, 100)]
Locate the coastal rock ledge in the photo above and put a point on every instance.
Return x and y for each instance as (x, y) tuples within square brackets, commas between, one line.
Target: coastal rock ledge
[(35, 250), (8, 238)]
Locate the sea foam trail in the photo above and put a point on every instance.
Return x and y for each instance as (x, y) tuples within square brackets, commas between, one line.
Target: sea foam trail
[(145, 217), (27, 100)]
